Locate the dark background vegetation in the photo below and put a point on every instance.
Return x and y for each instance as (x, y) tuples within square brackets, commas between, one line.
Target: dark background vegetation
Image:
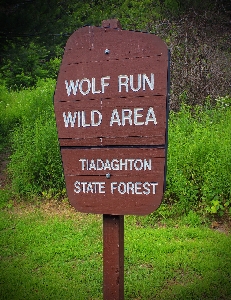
[(33, 34)]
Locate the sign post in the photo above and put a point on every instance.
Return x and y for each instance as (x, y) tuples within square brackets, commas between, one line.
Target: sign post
[(111, 107), (113, 257)]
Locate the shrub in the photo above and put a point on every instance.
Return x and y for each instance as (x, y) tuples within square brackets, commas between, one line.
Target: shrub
[(27, 63)]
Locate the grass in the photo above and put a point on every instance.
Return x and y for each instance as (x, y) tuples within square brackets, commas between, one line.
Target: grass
[(49, 251)]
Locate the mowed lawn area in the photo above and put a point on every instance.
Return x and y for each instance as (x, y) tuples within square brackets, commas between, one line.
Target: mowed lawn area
[(50, 251)]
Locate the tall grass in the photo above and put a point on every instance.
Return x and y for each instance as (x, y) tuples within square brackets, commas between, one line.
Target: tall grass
[(199, 158), (35, 166), (199, 154), (18, 107)]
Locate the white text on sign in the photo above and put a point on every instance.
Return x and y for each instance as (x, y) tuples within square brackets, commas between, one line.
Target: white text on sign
[(119, 117), (125, 83), (130, 188), (127, 164)]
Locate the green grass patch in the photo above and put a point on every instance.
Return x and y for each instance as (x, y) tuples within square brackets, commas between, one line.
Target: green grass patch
[(56, 253), (49, 257)]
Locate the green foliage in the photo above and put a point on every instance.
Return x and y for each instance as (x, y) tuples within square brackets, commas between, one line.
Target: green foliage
[(15, 107), (5, 198), (33, 31), (35, 164), (191, 219), (27, 64), (5, 120), (199, 159)]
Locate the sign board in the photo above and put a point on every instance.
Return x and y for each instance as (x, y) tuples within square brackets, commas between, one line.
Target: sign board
[(111, 106)]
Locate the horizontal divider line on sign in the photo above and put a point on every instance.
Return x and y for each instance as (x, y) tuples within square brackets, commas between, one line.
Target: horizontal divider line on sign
[(121, 173), (116, 146), (113, 98), (114, 59), (115, 174)]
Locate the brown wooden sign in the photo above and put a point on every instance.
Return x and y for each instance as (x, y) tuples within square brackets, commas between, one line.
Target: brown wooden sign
[(111, 112)]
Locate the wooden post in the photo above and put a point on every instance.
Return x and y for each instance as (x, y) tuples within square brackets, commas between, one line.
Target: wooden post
[(113, 257)]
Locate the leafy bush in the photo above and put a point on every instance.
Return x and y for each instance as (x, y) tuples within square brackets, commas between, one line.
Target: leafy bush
[(27, 63), (199, 158)]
